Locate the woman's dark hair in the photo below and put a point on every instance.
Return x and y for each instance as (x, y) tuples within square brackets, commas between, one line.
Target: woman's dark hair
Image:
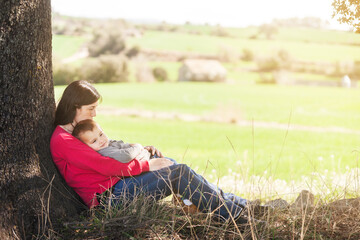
[(76, 94), (83, 126)]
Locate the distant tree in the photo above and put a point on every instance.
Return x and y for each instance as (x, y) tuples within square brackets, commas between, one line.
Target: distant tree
[(348, 11), (268, 30), (106, 41)]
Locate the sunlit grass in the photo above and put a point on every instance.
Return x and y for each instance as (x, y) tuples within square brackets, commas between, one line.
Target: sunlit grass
[(310, 106), (303, 50), (66, 46), (221, 147), (314, 77)]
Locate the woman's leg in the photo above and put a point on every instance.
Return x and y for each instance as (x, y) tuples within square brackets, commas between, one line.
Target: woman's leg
[(181, 179)]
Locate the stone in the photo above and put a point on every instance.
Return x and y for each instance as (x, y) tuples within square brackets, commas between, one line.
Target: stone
[(305, 199), (278, 203), (200, 70)]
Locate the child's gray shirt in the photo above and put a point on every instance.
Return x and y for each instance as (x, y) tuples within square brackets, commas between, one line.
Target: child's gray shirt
[(124, 152)]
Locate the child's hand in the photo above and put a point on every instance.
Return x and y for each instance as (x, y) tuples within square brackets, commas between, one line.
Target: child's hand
[(153, 150)]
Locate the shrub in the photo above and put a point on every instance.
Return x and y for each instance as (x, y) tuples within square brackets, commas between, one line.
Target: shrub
[(160, 74), (220, 31), (269, 30), (227, 54), (253, 37), (345, 68), (133, 52), (280, 60), (106, 42), (143, 72), (247, 55), (284, 58), (107, 68), (65, 74), (268, 64), (267, 78), (356, 70)]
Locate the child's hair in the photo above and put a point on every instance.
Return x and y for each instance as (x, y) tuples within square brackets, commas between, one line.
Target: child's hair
[(83, 126)]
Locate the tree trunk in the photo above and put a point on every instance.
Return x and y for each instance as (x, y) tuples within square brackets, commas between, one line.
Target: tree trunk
[(28, 176)]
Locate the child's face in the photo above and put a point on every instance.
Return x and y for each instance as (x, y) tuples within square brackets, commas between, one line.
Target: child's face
[(96, 139)]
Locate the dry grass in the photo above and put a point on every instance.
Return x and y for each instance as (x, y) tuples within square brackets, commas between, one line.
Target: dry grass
[(307, 217), (329, 209)]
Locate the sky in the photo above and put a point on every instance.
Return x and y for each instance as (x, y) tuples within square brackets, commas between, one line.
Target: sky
[(236, 13)]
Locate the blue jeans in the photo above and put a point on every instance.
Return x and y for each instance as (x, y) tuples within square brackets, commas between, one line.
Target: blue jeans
[(181, 179)]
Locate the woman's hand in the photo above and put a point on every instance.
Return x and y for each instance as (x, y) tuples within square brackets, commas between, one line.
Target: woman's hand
[(153, 150), (158, 163)]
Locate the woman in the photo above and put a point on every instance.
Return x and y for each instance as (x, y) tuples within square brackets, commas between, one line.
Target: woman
[(89, 173)]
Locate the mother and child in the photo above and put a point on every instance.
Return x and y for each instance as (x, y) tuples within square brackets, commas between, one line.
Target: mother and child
[(91, 164)]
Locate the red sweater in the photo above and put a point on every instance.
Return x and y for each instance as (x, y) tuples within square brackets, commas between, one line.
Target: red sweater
[(85, 170)]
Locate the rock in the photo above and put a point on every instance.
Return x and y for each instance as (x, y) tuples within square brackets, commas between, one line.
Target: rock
[(345, 204), (278, 203), (305, 199), (346, 81), (254, 202), (200, 70)]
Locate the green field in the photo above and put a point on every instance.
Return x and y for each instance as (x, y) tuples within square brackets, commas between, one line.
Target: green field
[(317, 50), (284, 34), (244, 149), (309, 106), (66, 46)]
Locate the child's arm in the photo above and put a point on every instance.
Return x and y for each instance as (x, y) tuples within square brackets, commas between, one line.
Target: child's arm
[(120, 144), (123, 155)]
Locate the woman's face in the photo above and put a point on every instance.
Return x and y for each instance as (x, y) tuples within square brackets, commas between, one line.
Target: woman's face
[(86, 112)]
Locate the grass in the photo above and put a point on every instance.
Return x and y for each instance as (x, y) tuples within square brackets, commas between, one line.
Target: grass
[(218, 150), (309, 106), (302, 35), (314, 77), (298, 34), (301, 50), (308, 217), (66, 46)]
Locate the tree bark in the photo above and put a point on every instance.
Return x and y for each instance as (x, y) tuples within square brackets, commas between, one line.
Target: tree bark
[(31, 191)]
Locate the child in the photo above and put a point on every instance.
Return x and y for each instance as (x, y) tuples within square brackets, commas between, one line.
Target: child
[(90, 133)]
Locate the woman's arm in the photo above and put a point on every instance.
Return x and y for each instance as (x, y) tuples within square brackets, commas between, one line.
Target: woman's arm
[(74, 152)]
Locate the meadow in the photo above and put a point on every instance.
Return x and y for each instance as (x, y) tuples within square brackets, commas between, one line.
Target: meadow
[(65, 46), (318, 49), (217, 149), (273, 131)]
